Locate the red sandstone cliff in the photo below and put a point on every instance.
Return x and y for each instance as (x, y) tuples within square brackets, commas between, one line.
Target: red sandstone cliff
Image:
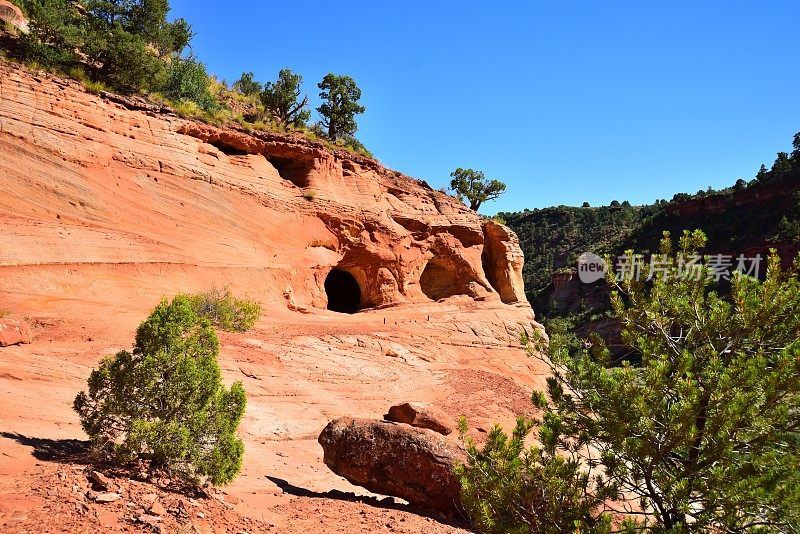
[(107, 205)]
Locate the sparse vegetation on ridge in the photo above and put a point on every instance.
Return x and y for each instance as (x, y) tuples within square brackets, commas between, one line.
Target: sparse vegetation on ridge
[(224, 310), (130, 47)]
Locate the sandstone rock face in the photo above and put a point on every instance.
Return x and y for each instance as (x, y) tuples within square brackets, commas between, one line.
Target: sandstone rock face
[(14, 332), (148, 186), (12, 15), (421, 415), (394, 459), (503, 261)]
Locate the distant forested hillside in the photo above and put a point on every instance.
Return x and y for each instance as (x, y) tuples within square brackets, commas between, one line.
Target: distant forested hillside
[(746, 218)]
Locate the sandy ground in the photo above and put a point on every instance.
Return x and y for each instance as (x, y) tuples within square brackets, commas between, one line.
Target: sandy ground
[(299, 370)]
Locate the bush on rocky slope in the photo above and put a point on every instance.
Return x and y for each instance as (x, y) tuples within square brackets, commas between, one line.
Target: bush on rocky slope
[(224, 310), (165, 403)]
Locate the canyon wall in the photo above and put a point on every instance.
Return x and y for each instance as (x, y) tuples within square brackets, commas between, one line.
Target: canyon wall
[(111, 183)]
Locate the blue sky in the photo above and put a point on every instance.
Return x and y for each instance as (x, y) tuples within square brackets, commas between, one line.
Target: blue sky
[(565, 101)]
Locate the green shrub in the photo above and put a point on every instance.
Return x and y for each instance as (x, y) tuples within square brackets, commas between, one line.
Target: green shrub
[(165, 403), (187, 79), (128, 64), (224, 310), (508, 488), (310, 195)]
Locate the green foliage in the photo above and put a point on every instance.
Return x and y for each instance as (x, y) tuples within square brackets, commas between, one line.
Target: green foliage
[(128, 64), (340, 96), (56, 31), (125, 44), (475, 187), (762, 173), (165, 403), (188, 80), (247, 85), (703, 433), (796, 150), (281, 99), (310, 195), (782, 164), (507, 487), (224, 310)]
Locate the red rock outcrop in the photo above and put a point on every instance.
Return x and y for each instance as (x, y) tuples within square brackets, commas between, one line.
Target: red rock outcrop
[(14, 332), (395, 459), (135, 181), (421, 415), (112, 203), (12, 15)]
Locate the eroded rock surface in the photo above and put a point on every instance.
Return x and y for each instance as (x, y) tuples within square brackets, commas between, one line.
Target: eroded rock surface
[(421, 415), (147, 186), (14, 332), (394, 459)]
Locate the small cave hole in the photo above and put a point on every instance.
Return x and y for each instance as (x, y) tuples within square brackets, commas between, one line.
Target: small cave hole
[(296, 171), (228, 150), (344, 294), (437, 281)]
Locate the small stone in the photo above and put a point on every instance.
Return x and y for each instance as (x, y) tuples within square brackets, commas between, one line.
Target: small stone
[(157, 509), (150, 498), (107, 497), (201, 515), (99, 479)]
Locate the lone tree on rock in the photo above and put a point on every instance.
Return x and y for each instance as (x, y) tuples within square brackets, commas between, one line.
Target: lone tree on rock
[(282, 99), (340, 96), (475, 187)]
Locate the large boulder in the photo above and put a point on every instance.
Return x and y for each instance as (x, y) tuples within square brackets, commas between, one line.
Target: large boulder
[(14, 332), (395, 459), (421, 415)]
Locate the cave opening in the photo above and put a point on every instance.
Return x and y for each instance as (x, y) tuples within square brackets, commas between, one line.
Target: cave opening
[(438, 281), (344, 293), (227, 149), (294, 170)]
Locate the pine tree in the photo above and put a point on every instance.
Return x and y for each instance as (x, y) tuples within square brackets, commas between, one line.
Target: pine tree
[(473, 186), (340, 96), (282, 99)]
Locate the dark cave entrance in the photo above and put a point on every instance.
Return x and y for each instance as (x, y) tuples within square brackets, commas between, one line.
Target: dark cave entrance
[(344, 294), (294, 170)]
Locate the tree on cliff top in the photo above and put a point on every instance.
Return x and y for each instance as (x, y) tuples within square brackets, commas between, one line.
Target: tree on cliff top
[(282, 100), (475, 187), (340, 96)]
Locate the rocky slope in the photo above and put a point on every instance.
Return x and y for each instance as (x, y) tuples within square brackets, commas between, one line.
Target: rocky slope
[(109, 204)]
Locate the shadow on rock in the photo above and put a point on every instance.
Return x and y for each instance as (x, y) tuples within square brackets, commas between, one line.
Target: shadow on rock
[(387, 503), (53, 450)]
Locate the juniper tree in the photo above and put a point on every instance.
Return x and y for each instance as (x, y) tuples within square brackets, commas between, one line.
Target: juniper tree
[(475, 187), (701, 430), (340, 96), (164, 403), (282, 100)]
